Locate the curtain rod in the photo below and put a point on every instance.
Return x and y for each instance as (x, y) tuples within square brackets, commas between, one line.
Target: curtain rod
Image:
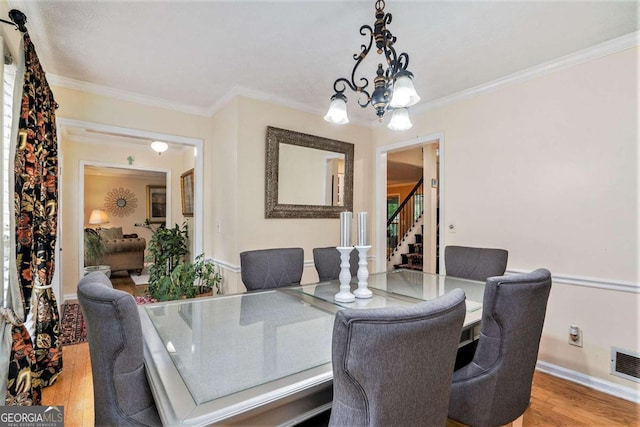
[(18, 20)]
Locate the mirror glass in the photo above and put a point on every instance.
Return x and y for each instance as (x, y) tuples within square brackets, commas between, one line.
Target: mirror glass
[(307, 176)]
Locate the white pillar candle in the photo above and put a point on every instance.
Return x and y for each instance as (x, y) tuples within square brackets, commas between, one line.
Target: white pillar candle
[(345, 229), (363, 238)]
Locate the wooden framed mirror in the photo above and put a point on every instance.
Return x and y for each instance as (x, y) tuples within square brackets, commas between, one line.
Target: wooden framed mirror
[(307, 176)]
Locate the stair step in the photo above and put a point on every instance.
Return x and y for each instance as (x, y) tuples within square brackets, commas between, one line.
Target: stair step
[(408, 266), (415, 247)]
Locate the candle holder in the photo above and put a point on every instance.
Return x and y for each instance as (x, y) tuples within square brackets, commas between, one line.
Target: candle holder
[(345, 294), (363, 273)]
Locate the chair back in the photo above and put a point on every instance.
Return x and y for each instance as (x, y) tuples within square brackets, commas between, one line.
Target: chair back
[(495, 388), (271, 268), (121, 391), (327, 262), (475, 263), (393, 366)]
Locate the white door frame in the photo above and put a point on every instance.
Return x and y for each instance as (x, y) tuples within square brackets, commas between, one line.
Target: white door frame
[(381, 193), (196, 143)]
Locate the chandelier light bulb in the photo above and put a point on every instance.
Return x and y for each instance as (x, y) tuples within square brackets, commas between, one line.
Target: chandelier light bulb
[(337, 113), (159, 146), (400, 120), (404, 93)]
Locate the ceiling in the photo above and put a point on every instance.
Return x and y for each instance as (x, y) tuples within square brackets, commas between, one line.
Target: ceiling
[(404, 166), (114, 172), (195, 55)]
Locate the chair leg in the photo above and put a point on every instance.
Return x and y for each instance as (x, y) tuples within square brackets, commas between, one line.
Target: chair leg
[(518, 421)]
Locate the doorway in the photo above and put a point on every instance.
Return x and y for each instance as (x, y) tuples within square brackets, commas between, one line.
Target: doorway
[(119, 200), (395, 171), (124, 148)]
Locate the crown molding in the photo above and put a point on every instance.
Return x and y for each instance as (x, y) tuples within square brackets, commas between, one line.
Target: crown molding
[(123, 95), (264, 96), (580, 57)]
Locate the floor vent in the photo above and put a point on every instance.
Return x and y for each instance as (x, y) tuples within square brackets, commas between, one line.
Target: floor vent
[(625, 364)]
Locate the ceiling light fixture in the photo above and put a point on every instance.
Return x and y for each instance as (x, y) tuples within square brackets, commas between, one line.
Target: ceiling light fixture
[(393, 87), (159, 147)]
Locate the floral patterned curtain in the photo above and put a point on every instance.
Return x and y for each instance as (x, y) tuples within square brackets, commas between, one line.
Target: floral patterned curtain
[(36, 216)]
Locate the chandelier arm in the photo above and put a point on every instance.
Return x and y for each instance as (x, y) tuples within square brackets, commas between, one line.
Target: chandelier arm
[(345, 84), (364, 51), (358, 57), (402, 62)]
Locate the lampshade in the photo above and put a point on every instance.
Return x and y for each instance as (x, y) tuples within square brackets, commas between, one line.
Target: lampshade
[(400, 120), (159, 146), (404, 93), (98, 216), (337, 113)]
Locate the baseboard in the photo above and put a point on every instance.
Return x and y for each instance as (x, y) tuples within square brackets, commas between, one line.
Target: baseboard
[(598, 384)]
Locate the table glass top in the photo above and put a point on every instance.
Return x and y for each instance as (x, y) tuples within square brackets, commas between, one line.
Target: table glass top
[(224, 345), (397, 284), (235, 343)]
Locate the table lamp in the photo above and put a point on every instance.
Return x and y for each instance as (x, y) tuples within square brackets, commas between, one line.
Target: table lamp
[(98, 217)]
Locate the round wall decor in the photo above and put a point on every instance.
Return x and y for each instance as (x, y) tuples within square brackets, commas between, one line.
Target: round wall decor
[(120, 202)]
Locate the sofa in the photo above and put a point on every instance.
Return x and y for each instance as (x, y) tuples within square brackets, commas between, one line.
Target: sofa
[(122, 251)]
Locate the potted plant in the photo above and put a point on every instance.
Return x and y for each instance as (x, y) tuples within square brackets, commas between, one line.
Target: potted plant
[(171, 276), (188, 280), (94, 251), (167, 250), (207, 275)]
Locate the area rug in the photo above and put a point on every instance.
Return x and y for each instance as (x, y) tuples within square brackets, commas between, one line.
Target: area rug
[(72, 327), (73, 330)]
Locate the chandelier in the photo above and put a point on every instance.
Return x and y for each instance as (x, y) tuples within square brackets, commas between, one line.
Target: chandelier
[(392, 87)]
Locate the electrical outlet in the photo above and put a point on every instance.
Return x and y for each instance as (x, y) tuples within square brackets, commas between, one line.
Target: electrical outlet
[(575, 335)]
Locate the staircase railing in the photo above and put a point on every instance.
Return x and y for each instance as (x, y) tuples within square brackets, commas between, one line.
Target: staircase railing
[(405, 216)]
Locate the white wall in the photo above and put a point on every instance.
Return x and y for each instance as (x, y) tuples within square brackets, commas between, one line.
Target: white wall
[(548, 169)]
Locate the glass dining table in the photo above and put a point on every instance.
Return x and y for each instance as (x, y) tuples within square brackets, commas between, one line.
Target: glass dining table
[(265, 357)]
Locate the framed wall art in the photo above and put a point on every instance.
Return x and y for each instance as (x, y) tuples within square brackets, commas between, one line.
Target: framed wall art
[(156, 203), (186, 188)]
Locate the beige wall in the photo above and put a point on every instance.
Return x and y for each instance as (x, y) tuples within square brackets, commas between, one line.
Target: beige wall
[(548, 169), (97, 187), (253, 230), (222, 193), (234, 185)]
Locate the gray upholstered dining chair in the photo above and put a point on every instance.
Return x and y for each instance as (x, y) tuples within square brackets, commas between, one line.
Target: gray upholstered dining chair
[(327, 263), (495, 388), (271, 268), (121, 391), (474, 263), (393, 365)]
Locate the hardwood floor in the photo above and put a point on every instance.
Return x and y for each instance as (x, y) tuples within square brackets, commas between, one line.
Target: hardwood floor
[(554, 402)]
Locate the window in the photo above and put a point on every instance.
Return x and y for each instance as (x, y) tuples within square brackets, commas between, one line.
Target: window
[(8, 80)]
